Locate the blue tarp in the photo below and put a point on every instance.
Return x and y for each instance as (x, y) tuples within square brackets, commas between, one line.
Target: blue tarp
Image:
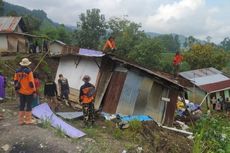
[(136, 117)]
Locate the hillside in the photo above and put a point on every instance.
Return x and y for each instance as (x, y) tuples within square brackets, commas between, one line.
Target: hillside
[(9, 8)]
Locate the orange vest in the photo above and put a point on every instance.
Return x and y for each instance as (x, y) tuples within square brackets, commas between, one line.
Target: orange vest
[(109, 44), (24, 79), (85, 98)]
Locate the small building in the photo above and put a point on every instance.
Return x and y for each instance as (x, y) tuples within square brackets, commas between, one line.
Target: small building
[(12, 35), (122, 87), (207, 83), (58, 48)]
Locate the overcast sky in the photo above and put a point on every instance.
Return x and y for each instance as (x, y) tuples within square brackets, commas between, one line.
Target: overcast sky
[(199, 18)]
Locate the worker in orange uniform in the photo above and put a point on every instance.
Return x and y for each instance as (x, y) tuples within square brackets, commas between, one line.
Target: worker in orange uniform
[(86, 98), (25, 87), (176, 63), (109, 45)]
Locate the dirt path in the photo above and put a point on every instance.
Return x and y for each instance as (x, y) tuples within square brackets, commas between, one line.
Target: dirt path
[(28, 139), (103, 138)]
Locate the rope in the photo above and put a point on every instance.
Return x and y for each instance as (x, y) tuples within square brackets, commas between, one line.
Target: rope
[(42, 58)]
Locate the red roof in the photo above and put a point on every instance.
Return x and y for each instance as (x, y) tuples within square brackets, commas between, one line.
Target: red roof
[(218, 86)]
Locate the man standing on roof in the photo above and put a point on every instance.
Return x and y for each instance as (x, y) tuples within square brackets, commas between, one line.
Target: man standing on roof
[(176, 63), (109, 45), (25, 87), (86, 98), (63, 86)]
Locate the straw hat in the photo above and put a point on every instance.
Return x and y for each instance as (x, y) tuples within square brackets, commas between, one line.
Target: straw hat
[(25, 62), (86, 78)]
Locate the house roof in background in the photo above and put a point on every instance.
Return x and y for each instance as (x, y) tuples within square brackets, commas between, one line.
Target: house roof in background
[(59, 42), (8, 24), (204, 76), (208, 79), (190, 75), (218, 86)]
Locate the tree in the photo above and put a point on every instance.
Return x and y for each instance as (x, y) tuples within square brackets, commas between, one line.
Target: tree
[(226, 44), (32, 23), (170, 43), (90, 29), (147, 53), (126, 33), (1, 8), (203, 56), (190, 41)]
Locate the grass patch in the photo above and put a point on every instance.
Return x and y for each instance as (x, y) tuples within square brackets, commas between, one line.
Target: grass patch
[(117, 133), (212, 134), (91, 132), (60, 132), (46, 123), (135, 125)]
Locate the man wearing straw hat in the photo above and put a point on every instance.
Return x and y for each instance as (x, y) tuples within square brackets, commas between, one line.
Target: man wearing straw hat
[(24, 85)]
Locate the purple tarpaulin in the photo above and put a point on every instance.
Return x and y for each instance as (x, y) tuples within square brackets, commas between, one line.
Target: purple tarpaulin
[(44, 112), (90, 52), (2, 86)]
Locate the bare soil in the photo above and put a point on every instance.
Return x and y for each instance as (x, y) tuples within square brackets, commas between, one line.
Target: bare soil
[(35, 139)]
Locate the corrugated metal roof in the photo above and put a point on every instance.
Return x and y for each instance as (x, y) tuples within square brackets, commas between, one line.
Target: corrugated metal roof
[(204, 76), (209, 79), (8, 24), (190, 75), (147, 70), (218, 86)]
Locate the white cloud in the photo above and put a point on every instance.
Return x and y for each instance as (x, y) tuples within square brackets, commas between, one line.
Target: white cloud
[(199, 18)]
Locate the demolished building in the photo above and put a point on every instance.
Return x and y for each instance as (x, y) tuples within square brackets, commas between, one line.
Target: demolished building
[(122, 87)]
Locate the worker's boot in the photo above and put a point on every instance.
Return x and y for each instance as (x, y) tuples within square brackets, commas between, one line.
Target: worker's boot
[(21, 115), (28, 119)]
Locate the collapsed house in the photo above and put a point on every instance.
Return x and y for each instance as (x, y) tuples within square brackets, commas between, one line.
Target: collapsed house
[(207, 83), (122, 87)]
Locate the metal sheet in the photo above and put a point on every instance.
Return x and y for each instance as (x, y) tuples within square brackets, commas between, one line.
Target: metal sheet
[(113, 92), (8, 24), (44, 112), (90, 52), (143, 96), (70, 115), (171, 107), (129, 94), (101, 89), (190, 75), (154, 105), (210, 79)]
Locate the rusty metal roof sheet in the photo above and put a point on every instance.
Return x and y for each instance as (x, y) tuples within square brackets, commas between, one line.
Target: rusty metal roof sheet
[(218, 86), (148, 71), (8, 24)]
